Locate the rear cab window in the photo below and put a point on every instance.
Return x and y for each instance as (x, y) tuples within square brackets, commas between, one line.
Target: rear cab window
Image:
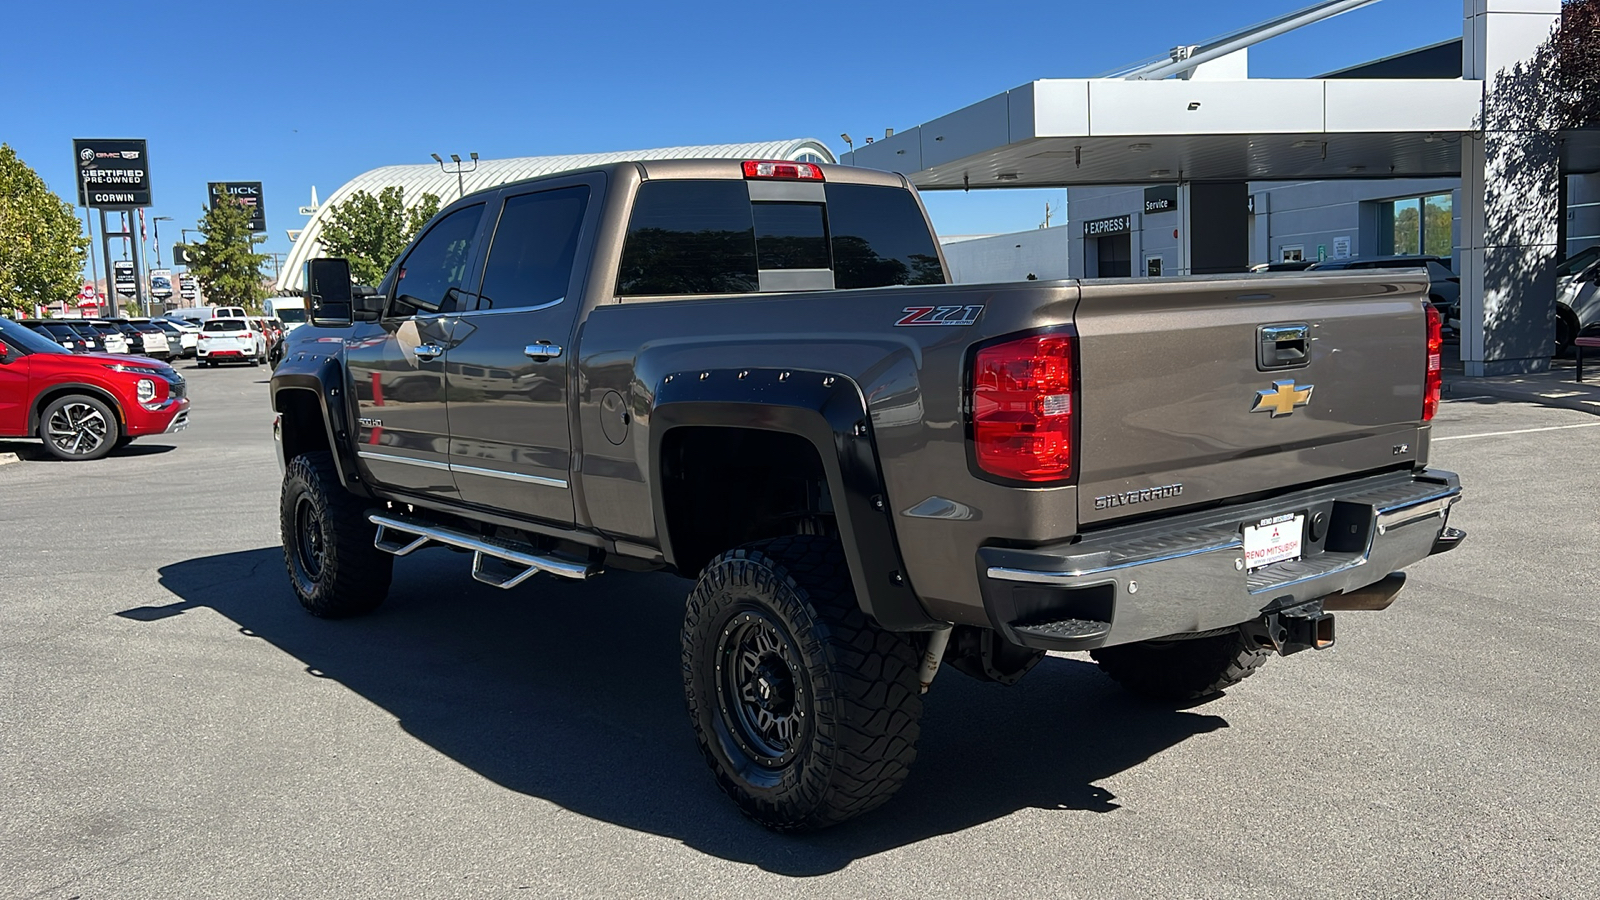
[(735, 237)]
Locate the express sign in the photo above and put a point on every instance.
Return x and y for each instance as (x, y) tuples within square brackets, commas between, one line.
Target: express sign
[(112, 173)]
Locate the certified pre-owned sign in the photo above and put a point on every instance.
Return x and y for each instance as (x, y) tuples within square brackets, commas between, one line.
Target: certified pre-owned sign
[(113, 173), (246, 192)]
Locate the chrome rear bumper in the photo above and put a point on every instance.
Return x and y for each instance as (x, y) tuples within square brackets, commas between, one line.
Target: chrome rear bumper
[(1186, 574)]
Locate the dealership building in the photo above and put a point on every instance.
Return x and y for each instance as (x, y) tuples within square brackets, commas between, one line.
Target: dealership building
[(1184, 164)]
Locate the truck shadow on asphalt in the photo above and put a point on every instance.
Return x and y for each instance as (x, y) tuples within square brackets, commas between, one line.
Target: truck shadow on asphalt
[(572, 693)]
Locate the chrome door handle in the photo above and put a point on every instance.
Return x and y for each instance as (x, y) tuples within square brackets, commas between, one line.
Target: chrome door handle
[(542, 351), (429, 352)]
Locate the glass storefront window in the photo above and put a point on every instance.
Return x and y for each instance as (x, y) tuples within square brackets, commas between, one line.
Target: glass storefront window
[(1407, 226), (1436, 225), (1418, 225)]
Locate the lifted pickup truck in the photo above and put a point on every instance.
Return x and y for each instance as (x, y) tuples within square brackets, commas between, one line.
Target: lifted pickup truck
[(755, 373)]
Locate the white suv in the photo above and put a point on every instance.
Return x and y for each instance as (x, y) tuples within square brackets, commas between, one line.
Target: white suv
[(230, 340)]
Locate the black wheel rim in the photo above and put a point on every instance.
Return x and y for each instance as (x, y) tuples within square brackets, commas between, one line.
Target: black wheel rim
[(309, 541), (77, 429), (761, 690)]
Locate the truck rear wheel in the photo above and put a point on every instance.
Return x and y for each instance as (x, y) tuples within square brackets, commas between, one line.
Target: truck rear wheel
[(327, 542), (1182, 670), (806, 710)]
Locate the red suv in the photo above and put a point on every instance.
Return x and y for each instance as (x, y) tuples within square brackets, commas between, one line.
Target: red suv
[(83, 405)]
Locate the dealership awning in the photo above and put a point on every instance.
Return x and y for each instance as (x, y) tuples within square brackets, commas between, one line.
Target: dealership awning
[(1076, 131)]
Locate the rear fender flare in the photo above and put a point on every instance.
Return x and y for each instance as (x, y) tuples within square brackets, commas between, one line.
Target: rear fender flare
[(829, 412)]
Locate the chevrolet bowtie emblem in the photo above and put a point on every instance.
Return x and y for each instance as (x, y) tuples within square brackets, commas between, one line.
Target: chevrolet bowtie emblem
[(1282, 399)]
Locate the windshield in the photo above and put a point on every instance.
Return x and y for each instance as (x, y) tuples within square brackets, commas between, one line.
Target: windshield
[(1578, 261), (224, 325), (16, 335), (291, 316)]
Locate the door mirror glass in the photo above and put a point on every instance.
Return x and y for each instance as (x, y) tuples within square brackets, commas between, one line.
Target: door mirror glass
[(328, 292)]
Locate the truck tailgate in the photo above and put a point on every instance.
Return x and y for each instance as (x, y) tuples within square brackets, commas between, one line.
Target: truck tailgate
[(1193, 393)]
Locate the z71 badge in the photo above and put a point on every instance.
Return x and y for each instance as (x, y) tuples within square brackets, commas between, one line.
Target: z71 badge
[(940, 315)]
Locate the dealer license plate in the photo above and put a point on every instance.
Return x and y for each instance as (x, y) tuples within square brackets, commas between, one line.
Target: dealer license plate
[(1273, 540)]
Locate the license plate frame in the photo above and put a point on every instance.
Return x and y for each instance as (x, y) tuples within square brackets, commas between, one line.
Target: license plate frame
[(1273, 540)]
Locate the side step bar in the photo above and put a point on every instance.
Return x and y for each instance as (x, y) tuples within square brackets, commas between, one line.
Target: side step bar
[(520, 562)]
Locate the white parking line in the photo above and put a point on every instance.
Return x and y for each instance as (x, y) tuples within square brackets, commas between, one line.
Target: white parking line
[(1462, 437)]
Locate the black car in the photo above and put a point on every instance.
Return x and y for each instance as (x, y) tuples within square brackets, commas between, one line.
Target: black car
[(1444, 285), (66, 334)]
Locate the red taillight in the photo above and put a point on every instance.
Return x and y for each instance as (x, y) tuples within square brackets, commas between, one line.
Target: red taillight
[(1435, 383), (1022, 406), (757, 168)]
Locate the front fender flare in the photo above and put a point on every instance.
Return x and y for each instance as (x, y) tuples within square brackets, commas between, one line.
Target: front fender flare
[(324, 378), (829, 412)]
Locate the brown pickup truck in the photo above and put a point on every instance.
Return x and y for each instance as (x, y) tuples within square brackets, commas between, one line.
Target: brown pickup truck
[(755, 374)]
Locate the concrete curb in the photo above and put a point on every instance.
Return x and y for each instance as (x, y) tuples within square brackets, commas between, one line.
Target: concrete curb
[(6, 458)]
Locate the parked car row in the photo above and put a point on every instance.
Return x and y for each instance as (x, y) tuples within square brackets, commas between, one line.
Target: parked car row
[(84, 405), (244, 339)]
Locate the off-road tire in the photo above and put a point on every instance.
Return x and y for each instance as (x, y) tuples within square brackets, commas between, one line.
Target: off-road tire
[(856, 700), (78, 428), (327, 542), (1184, 670)]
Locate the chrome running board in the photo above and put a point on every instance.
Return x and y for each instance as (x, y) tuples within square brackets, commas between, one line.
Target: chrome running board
[(521, 561)]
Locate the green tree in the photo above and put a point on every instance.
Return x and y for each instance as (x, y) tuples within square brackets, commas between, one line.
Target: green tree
[(371, 231), (1577, 75), (226, 264), (41, 242)]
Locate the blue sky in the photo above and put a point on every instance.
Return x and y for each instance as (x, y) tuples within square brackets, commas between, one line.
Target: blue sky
[(297, 94)]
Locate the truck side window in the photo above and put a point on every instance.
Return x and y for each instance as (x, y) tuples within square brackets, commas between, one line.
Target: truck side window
[(437, 263), (690, 237), (530, 259), (879, 238)]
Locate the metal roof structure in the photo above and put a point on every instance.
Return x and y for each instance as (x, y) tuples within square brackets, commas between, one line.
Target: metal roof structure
[(433, 178), (1194, 114)]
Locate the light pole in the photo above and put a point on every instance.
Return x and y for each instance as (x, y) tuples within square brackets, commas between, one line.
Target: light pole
[(455, 161), (157, 220)]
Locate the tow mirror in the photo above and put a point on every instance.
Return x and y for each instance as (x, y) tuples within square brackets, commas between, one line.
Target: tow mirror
[(327, 292)]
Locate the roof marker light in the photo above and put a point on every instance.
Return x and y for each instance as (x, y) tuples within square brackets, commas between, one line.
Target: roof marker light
[(792, 171)]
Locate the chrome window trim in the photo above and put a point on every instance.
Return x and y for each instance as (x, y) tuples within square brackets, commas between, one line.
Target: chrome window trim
[(510, 309)]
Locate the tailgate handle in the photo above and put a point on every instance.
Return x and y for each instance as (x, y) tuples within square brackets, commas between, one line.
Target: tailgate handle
[(1282, 346)]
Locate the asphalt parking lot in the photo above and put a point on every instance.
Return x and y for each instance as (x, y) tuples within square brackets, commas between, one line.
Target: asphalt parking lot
[(173, 725)]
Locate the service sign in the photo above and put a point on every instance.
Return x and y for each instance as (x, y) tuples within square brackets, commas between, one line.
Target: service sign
[(122, 270), (246, 192), (113, 173), (1161, 198)]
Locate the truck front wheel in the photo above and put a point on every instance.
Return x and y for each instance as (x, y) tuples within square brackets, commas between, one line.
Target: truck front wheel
[(1182, 670), (327, 542), (805, 709)]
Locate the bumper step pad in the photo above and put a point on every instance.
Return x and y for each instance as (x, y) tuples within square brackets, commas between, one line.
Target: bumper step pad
[(1065, 630)]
